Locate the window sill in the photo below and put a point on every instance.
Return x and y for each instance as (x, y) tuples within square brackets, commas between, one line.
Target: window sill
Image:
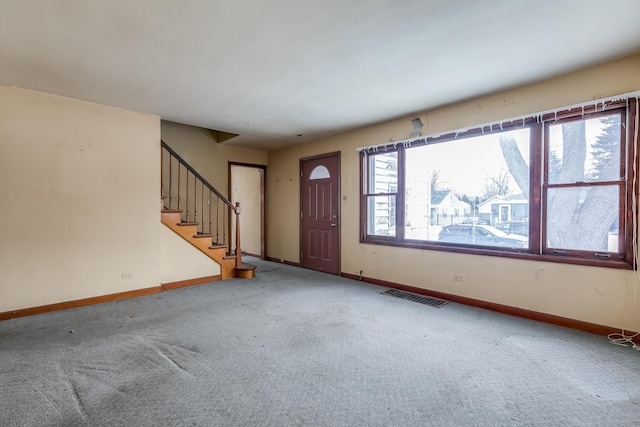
[(501, 252)]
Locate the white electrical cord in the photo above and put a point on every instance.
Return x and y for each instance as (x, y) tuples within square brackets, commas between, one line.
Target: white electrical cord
[(622, 338)]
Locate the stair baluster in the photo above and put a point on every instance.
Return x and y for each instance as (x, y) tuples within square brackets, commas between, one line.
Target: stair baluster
[(185, 190)]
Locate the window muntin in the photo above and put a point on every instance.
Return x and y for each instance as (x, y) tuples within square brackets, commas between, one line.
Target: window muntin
[(602, 177)]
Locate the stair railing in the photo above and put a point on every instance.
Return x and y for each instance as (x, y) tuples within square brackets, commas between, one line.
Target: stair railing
[(184, 189)]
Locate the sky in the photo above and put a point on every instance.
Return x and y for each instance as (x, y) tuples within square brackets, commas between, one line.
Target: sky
[(466, 165)]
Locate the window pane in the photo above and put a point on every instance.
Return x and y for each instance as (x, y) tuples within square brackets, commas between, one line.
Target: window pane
[(583, 218), (319, 172), (381, 215), (585, 150), (461, 191), (417, 200), (383, 173)]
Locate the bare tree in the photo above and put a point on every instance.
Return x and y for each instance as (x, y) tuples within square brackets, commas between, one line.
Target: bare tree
[(496, 185), (435, 177)]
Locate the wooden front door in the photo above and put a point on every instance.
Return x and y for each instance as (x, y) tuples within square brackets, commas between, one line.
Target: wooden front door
[(319, 213)]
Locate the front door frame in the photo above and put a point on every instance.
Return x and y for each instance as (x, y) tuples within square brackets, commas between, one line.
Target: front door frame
[(337, 155)]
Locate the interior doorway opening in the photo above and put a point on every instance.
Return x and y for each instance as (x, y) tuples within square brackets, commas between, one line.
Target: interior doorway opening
[(247, 186)]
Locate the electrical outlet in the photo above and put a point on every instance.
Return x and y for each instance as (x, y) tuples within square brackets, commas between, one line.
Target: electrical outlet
[(458, 278), (126, 276)]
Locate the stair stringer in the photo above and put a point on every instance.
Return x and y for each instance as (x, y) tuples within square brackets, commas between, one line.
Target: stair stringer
[(227, 264)]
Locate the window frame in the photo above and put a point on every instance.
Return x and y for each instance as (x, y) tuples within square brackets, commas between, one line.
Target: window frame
[(620, 183), (538, 168), (366, 196)]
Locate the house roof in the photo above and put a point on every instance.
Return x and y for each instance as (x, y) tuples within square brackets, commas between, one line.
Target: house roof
[(438, 196), (510, 198), (283, 72)]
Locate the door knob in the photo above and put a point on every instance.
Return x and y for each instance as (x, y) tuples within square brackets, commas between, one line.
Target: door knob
[(334, 225)]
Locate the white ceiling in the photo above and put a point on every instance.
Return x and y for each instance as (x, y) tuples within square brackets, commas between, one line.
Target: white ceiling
[(270, 70)]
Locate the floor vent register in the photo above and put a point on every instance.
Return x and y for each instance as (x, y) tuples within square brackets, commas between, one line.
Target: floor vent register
[(433, 302)]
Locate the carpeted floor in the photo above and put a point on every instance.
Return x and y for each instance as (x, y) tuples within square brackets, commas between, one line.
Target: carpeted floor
[(294, 347)]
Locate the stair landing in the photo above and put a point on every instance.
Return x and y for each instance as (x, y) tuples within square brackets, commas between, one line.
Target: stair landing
[(246, 271)]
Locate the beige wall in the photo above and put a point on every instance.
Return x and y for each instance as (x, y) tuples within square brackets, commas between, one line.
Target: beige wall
[(79, 199), (199, 148), (182, 261), (598, 295)]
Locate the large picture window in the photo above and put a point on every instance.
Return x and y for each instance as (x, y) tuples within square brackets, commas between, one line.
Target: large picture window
[(557, 187)]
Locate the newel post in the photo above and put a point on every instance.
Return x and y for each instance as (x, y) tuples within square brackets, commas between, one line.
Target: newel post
[(238, 250)]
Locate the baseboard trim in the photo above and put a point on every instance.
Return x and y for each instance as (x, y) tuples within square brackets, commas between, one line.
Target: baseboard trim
[(283, 261), (78, 303), (500, 308), (251, 254), (13, 314), (190, 282)]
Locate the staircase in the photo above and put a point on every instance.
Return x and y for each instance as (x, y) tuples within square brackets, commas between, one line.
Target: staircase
[(198, 213)]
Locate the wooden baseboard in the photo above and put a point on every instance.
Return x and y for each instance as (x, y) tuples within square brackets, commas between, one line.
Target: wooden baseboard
[(105, 298), (505, 309), (78, 303), (190, 282), (251, 254), (283, 261)]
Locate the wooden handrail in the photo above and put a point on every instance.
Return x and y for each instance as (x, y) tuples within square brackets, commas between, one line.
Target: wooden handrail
[(215, 216), (193, 171)]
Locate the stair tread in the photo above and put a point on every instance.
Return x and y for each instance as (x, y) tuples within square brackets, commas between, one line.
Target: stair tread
[(184, 224), (171, 211), (198, 236), (217, 247), (246, 266)]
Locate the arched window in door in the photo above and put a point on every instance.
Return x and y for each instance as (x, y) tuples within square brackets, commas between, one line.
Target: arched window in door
[(319, 172)]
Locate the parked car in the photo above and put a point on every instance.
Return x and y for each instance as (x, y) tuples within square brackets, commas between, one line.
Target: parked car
[(485, 235), (475, 220), (514, 227)]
